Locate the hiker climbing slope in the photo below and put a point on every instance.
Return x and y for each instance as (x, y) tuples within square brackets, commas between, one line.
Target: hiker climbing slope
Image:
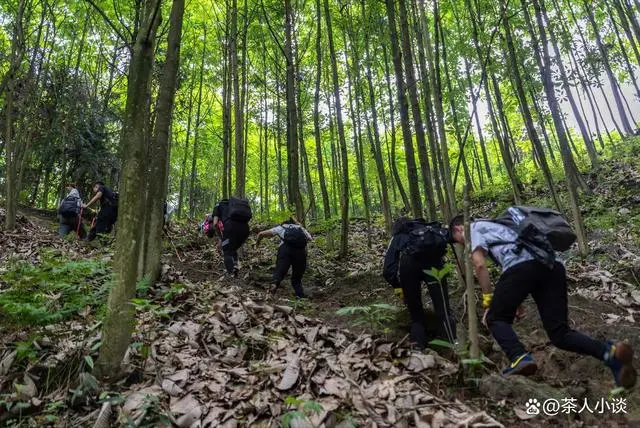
[(417, 246), (108, 213), (523, 241), (231, 217), (292, 253), (69, 213)]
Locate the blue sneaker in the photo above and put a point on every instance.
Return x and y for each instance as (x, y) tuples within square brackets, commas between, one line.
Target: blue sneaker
[(619, 358), (523, 365)]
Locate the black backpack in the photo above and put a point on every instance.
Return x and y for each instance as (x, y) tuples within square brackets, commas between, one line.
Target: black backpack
[(426, 241), (239, 210), (70, 207), (294, 236), (541, 231)]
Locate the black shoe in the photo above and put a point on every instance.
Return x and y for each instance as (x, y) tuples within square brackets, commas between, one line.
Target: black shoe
[(236, 272)]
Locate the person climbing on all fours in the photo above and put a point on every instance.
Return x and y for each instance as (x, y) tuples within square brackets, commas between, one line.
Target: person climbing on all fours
[(530, 267)]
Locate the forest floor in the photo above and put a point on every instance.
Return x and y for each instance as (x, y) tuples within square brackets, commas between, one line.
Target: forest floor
[(209, 350)]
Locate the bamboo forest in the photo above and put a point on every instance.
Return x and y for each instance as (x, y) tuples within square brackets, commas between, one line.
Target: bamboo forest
[(319, 213)]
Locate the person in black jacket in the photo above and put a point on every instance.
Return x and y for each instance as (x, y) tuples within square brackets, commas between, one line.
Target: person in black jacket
[(108, 213), (405, 271), (233, 234), (291, 254)]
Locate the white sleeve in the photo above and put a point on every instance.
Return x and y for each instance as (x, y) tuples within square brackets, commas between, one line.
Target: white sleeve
[(307, 234), (278, 231)]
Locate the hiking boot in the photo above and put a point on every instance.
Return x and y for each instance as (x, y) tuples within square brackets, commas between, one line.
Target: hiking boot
[(619, 358), (235, 273), (523, 365), (299, 292)]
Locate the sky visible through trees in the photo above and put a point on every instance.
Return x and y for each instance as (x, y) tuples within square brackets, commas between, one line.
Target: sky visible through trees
[(253, 74)]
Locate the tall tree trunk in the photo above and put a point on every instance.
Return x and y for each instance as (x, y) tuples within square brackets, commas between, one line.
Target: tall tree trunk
[(118, 324), (238, 105), (415, 110), (437, 93), (526, 114), (595, 73), (591, 149), (183, 169), (13, 148), (376, 148), (344, 194), (226, 110), (326, 207), (454, 113), (157, 193), (357, 137), (498, 135), (281, 189), (567, 158), (617, 96), (292, 116), (420, 29), (412, 170), (194, 169), (476, 117), (303, 151), (392, 121)]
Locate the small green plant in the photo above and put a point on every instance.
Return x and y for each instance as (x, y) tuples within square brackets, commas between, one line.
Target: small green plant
[(146, 305), (174, 291), (443, 344), (440, 274), (53, 290), (376, 315), (303, 410), (26, 351)]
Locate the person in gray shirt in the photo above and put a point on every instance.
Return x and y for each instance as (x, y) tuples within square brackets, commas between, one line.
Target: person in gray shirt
[(291, 254), (523, 275)]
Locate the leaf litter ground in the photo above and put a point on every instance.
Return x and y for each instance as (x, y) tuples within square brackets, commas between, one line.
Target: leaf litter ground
[(215, 351)]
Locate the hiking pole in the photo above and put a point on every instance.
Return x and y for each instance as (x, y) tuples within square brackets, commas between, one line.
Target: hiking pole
[(79, 222), (174, 246), (455, 256)]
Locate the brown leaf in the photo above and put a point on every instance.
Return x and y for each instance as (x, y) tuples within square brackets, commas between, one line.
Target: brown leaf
[(523, 415), (27, 389), (185, 405), (291, 373), (418, 362), (171, 388), (336, 386), (6, 363)]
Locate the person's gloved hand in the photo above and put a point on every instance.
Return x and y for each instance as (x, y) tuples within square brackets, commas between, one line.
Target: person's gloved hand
[(398, 292)]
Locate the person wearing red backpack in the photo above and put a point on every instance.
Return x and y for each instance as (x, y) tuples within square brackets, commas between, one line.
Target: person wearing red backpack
[(69, 213), (231, 221), (521, 242)]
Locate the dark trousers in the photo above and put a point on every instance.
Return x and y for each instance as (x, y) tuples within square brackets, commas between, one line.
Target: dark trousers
[(104, 222), (548, 287), (235, 235), (70, 224), (294, 258), (411, 277)]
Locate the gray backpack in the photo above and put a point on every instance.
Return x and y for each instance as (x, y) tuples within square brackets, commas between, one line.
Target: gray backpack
[(541, 231)]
